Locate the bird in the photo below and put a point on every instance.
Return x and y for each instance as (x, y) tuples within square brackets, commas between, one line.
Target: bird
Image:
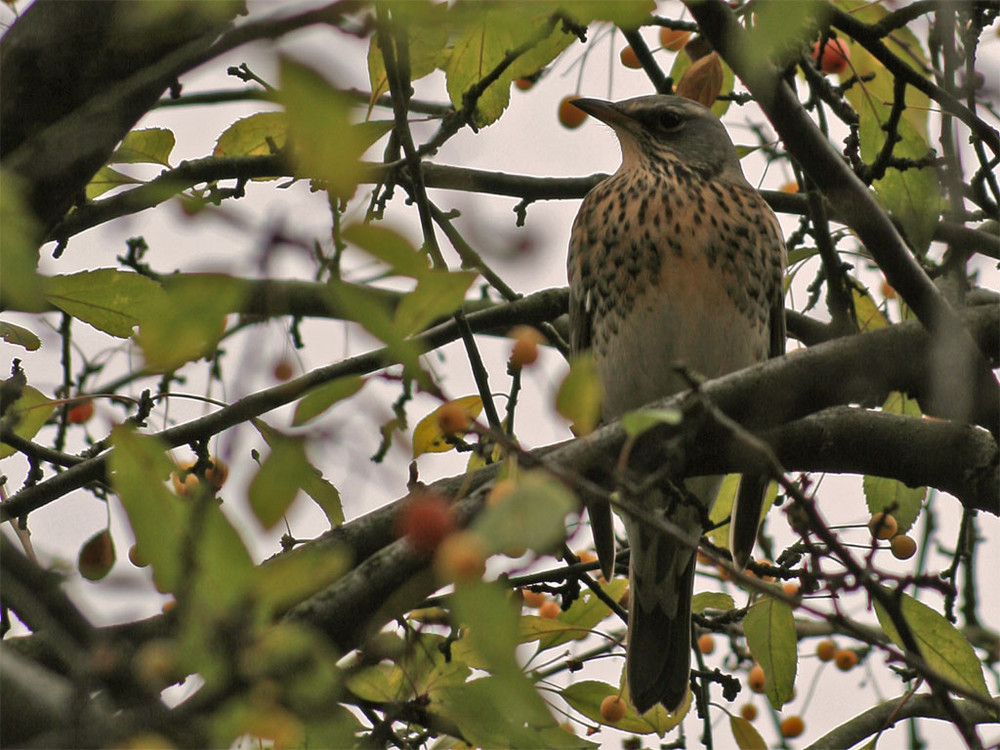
[(673, 259)]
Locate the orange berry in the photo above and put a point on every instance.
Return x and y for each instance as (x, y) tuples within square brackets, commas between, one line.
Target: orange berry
[(81, 412), (629, 59), (613, 708), (523, 84), (283, 370), (586, 556), (883, 526), (534, 599), (550, 610), (425, 521), (826, 650), (755, 679), (169, 605), (135, 558), (97, 556), (888, 292), (834, 58), (903, 547), (706, 644), (673, 39), (792, 726), (790, 187), (791, 588), (526, 342), (452, 418), (748, 711), (569, 115), (846, 660), (460, 557)]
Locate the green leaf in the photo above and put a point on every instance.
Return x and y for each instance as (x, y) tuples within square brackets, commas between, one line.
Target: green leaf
[(277, 482), (705, 600), (580, 395), (27, 416), (637, 422), (328, 146), (146, 146), (286, 580), (574, 624), (438, 293), (746, 736), (626, 14), (19, 336), (186, 322), (531, 516), (941, 645), (280, 483), (586, 695), (110, 300), (325, 495), (770, 631), (781, 29), (723, 508), (107, 179), (485, 33), (20, 235), (253, 135), (367, 307), (138, 466), (316, 401), (389, 247), (426, 26)]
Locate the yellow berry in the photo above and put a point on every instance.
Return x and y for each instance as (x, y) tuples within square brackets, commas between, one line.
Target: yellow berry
[(792, 726), (460, 557), (903, 547), (846, 660), (756, 678), (826, 650), (613, 708), (883, 526), (550, 610), (452, 418), (533, 599), (629, 59), (569, 115), (748, 711)]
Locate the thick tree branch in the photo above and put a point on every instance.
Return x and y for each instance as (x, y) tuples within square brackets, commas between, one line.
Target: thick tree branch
[(888, 714), (966, 386)]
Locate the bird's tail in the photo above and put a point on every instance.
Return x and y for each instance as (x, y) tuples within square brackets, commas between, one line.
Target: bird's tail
[(661, 580)]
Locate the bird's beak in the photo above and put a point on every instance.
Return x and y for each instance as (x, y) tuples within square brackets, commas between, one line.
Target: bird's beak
[(604, 111)]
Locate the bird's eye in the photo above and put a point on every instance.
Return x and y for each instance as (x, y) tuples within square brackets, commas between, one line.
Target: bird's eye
[(669, 120)]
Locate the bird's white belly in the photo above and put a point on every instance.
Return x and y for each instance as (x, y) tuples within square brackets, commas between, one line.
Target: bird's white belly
[(704, 332)]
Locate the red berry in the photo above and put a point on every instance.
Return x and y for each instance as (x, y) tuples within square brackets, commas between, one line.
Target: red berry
[(834, 58), (81, 412)]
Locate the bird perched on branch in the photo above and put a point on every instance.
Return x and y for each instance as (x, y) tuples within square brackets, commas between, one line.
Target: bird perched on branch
[(675, 258)]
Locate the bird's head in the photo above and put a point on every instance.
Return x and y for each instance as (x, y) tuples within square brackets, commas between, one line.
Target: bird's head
[(668, 128)]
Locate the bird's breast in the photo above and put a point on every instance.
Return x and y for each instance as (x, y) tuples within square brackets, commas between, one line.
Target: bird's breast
[(673, 271)]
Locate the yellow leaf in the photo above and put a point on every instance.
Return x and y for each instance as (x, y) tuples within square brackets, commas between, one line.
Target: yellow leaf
[(428, 436)]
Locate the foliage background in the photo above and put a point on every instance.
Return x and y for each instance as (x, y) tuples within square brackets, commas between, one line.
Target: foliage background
[(526, 140)]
